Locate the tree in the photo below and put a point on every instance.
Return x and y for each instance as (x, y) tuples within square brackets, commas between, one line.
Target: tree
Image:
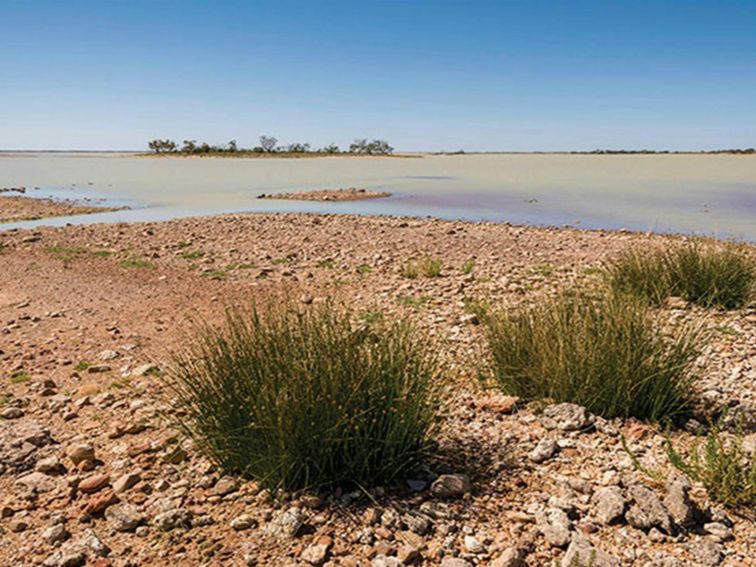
[(330, 149), (232, 147), (298, 148), (375, 147), (268, 143), (189, 147), (359, 146), (162, 146)]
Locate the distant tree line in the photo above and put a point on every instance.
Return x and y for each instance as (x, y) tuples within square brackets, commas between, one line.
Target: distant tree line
[(725, 151), (268, 145)]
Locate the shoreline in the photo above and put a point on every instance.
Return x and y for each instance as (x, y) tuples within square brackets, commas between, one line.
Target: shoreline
[(117, 299), (19, 208)]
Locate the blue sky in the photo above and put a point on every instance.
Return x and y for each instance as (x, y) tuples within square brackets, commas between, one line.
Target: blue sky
[(424, 75)]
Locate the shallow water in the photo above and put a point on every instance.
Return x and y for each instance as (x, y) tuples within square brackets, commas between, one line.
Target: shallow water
[(713, 195)]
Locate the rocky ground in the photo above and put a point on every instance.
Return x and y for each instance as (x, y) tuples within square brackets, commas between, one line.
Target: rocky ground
[(17, 208), (90, 472), (349, 194)]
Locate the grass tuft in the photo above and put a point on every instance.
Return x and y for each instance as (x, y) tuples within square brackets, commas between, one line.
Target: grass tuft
[(708, 273), (300, 399), (607, 354)]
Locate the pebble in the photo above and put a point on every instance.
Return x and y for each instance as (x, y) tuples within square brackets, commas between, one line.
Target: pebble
[(451, 485), (545, 449)]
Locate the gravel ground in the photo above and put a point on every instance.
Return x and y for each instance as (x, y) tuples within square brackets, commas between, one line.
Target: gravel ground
[(90, 473)]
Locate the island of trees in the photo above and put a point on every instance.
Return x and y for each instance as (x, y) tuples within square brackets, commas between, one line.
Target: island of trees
[(269, 146)]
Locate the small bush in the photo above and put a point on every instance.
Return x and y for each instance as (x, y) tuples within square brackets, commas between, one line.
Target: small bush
[(303, 400), (431, 267), (468, 266), (704, 272), (726, 470), (604, 353)]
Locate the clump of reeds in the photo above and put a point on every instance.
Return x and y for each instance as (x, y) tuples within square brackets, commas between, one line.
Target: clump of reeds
[(705, 272), (305, 398), (606, 353)]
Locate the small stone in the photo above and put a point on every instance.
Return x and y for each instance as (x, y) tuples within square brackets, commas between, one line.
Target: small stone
[(555, 526), (455, 562), (127, 481), (417, 523), (473, 544), (243, 522), (545, 449), (48, 465), (80, 453), (144, 370), (512, 557), (108, 355), (225, 485), (316, 553), (581, 553), (451, 485), (286, 523), (566, 417), (99, 503), (408, 554), (708, 553), (36, 481), (12, 413), (677, 500), (18, 526), (172, 519), (124, 517), (99, 368), (94, 483), (647, 510), (610, 504), (718, 530), (385, 561), (55, 534)]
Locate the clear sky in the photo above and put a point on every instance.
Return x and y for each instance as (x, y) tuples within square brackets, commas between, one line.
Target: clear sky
[(425, 75)]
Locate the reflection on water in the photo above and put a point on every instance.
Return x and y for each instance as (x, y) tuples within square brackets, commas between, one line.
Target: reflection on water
[(675, 193)]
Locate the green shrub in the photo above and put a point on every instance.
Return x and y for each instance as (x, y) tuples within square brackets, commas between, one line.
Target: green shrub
[(300, 399), (726, 470), (607, 354), (705, 272), (468, 267)]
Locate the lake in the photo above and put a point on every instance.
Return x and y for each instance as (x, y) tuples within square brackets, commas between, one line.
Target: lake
[(705, 194)]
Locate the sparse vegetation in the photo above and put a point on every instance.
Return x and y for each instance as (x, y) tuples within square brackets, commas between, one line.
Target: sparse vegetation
[(431, 267), (607, 354), (468, 267), (410, 271), (711, 274), (364, 269), (192, 254), (427, 266), (137, 263), (20, 377), (722, 465), (299, 399)]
